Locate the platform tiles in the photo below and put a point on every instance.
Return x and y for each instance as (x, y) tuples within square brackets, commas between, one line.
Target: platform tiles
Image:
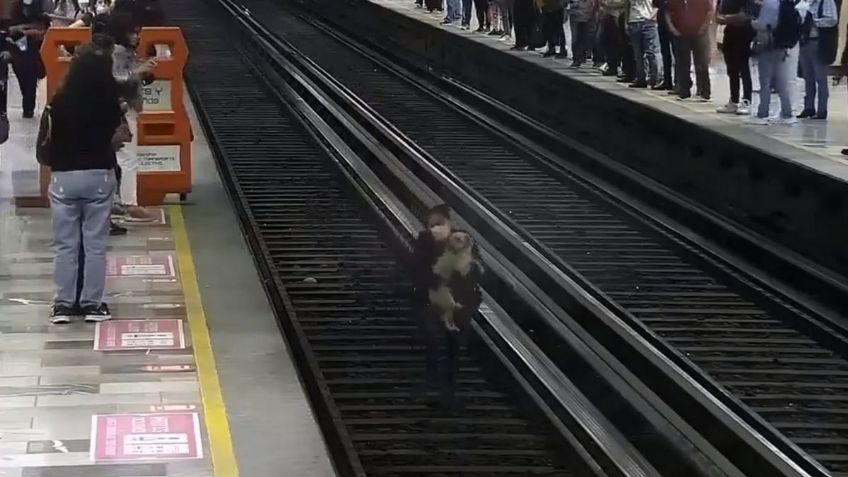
[(120, 398), (816, 144)]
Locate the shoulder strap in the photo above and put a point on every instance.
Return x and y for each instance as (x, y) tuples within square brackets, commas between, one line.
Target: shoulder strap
[(49, 133)]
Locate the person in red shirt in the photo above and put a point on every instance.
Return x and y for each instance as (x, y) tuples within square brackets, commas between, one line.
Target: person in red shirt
[(689, 21)]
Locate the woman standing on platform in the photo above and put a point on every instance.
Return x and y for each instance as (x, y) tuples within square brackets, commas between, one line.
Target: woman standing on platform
[(83, 117), (128, 72), (736, 48)]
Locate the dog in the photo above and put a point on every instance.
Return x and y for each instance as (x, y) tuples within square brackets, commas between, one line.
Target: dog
[(454, 262)]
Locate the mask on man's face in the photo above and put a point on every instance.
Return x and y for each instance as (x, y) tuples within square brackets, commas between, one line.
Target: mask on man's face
[(440, 232)]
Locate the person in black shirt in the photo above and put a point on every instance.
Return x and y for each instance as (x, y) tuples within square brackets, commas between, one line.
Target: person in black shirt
[(429, 246), (27, 26), (84, 116), (736, 47)]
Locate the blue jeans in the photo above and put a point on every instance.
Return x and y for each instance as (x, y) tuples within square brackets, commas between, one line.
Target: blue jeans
[(645, 40), (774, 69), (454, 11), (814, 71), (81, 204)]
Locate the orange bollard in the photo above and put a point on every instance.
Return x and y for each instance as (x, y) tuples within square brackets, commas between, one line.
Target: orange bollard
[(164, 130)]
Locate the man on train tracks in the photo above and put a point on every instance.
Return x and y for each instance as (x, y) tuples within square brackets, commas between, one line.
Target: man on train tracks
[(446, 280)]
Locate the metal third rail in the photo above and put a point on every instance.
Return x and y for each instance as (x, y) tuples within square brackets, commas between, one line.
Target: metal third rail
[(746, 340), (336, 283)]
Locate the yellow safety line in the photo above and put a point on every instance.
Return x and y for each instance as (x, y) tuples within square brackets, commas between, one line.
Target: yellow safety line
[(214, 411)]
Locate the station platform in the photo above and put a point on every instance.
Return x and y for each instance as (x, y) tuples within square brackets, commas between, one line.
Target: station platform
[(783, 183), (813, 144), (191, 378)]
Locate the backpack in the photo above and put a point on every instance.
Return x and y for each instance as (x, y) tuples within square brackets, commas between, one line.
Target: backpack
[(43, 143), (788, 31)]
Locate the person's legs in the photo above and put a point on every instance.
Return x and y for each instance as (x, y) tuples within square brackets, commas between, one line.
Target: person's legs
[(466, 12), (628, 58), (559, 30), (578, 41), (701, 56), (508, 16), (665, 38), (650, 41), (744, 63), (683, 58), (25, 65), (635, 30), (766, 65), (481, 8), (522, 17), (807, 60), (786, 68), (730, 50), (823, 87), (99, 186), (66, 211), (611, 45)]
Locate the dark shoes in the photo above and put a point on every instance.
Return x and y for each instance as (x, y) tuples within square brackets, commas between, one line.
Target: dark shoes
[(62, 314)]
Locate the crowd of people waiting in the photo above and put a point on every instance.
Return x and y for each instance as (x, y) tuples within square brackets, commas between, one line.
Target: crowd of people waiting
[(87, 132), (655, 43)]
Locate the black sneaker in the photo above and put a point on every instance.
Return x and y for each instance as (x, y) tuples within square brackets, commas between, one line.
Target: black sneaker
[(99, 313), (115, 229), (61, 314)]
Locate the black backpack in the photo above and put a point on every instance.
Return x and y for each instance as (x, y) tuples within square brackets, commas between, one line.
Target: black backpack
[(788, 31)]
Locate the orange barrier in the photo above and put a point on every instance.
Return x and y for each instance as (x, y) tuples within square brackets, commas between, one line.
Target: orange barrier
[(164, 132)]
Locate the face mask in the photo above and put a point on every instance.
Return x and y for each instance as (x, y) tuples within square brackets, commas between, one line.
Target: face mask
[(440, 232)]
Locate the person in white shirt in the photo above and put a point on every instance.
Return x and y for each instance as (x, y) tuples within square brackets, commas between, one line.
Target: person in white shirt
[(642, 27)]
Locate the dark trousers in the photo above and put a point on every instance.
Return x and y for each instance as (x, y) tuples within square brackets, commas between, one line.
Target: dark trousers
[(736, 48), (524, 16), (482, 8), (26, 65), (581, 40), (443, 347), (666, 48), (611, 41), (553, 28), (687, 49), (466, 12), (599, 55)]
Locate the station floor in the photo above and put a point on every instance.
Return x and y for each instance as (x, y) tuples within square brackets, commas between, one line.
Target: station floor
[(814, 144), (192, 377)]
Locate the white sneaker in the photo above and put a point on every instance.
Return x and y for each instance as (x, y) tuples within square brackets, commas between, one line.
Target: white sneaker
[(787, 121), (753, 120), (744, 108), (729, 108)]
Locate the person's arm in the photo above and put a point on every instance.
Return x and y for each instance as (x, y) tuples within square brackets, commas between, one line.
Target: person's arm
[(671, 28)]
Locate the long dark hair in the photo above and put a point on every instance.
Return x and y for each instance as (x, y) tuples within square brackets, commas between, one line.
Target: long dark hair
[(88, 91)]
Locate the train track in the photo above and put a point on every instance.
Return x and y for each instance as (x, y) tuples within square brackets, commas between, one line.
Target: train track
[(332, 265), (778, 365)]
